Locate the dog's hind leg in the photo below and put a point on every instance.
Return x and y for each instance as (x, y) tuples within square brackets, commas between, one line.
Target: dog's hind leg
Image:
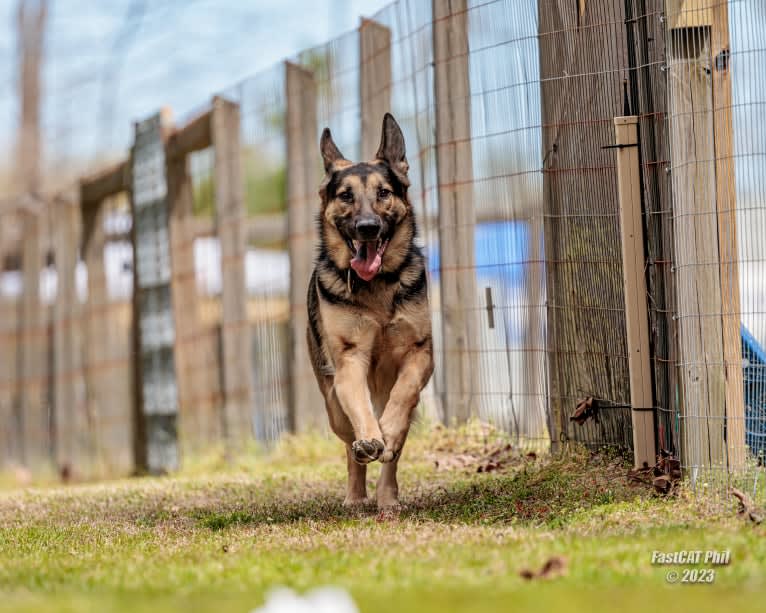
[(387, 491)]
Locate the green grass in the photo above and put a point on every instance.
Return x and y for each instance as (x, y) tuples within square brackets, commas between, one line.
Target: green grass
[(218, 541)]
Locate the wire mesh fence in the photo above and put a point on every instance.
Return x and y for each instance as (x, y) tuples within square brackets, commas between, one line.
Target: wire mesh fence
[(508, 111)]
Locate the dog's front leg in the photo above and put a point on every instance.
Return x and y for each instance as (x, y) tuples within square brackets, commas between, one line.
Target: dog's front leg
[(413, 375), (354, 398)]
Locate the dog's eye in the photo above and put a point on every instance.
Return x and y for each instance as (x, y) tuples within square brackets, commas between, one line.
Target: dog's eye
[(347, 196), (383, 194)]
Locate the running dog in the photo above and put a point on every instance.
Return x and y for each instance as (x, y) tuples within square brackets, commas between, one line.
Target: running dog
[(369, 331)]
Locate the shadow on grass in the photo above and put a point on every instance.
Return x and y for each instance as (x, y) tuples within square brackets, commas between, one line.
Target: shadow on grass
[(547, 494)]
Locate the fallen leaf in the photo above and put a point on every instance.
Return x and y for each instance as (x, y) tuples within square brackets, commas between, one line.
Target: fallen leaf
[(662, 484), (553, 567), (746, 507)]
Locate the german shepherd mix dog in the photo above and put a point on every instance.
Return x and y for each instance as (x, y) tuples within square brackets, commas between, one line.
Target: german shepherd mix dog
[(369, 331)]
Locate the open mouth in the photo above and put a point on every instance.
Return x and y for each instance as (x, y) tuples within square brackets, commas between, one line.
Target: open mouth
[(368, 256)]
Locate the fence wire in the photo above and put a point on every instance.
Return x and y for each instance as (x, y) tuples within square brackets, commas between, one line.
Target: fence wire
[(517, 203)]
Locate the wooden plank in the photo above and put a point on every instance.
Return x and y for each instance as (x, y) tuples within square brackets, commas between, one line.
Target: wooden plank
[(195, 135), (690, 13), (696, 248), (636, 311), (303, 177), (459, 386), (726, 204), (374, 82), (108, 182), (235, 333)]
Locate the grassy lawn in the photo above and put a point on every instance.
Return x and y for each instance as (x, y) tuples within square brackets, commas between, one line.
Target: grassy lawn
[(219, 540)]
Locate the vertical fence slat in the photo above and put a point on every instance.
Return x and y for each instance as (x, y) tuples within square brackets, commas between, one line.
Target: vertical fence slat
[(235, 329), (457, 217), (303, 177), (374, 82)]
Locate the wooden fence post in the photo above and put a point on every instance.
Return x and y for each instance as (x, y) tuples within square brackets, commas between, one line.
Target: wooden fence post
[(699, 93), (457, 217), (374, 82), (636, 312), (235, 328), (66, 333), (199, 424), (303, 177), (96, 329), (10, 434), (726, 204), (34, 410)]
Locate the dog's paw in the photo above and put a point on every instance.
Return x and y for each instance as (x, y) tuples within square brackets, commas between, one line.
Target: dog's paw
[(389, 509), (366, 451), (355, 502)]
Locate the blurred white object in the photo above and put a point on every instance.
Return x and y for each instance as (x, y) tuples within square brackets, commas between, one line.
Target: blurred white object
[(320, 600)]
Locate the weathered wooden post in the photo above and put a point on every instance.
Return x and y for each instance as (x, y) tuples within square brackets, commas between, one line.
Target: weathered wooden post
[(34, 409), (459, 384), (66, 333), (303, 177), (636, 312), (374, 82), (704, 202), (232, 234), (10, 432)]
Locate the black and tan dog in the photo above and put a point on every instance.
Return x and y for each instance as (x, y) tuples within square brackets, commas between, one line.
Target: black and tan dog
[(369, 331)]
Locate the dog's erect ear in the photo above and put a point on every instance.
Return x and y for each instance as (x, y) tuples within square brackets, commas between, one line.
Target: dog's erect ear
[(392, 149), (330, 151)]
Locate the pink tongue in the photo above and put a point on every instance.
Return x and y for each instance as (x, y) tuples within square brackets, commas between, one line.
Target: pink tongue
[(368, 267)]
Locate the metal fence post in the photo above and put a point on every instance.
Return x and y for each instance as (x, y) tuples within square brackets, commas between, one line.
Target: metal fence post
[(303, 177), (374, 82), (457, 217), (235, 328), (156, 430)]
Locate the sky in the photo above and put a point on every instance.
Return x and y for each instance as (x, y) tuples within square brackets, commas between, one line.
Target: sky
[(111, 63)]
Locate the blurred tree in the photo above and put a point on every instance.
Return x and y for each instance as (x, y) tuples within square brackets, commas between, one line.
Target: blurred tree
[(31, 18)]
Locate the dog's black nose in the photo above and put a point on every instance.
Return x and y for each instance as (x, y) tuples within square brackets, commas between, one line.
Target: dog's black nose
[(368, 228)]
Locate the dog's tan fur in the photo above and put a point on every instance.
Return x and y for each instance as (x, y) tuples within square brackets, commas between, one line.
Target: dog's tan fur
[(370, 342)]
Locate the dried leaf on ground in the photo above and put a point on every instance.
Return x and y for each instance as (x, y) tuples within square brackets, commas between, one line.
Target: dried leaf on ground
[(746, 507), (554, 566)]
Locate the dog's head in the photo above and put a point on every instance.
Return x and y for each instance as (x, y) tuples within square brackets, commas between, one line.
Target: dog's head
[(365, 205)]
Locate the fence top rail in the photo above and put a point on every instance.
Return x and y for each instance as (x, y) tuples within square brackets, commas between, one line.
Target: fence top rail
[(97, 187)]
